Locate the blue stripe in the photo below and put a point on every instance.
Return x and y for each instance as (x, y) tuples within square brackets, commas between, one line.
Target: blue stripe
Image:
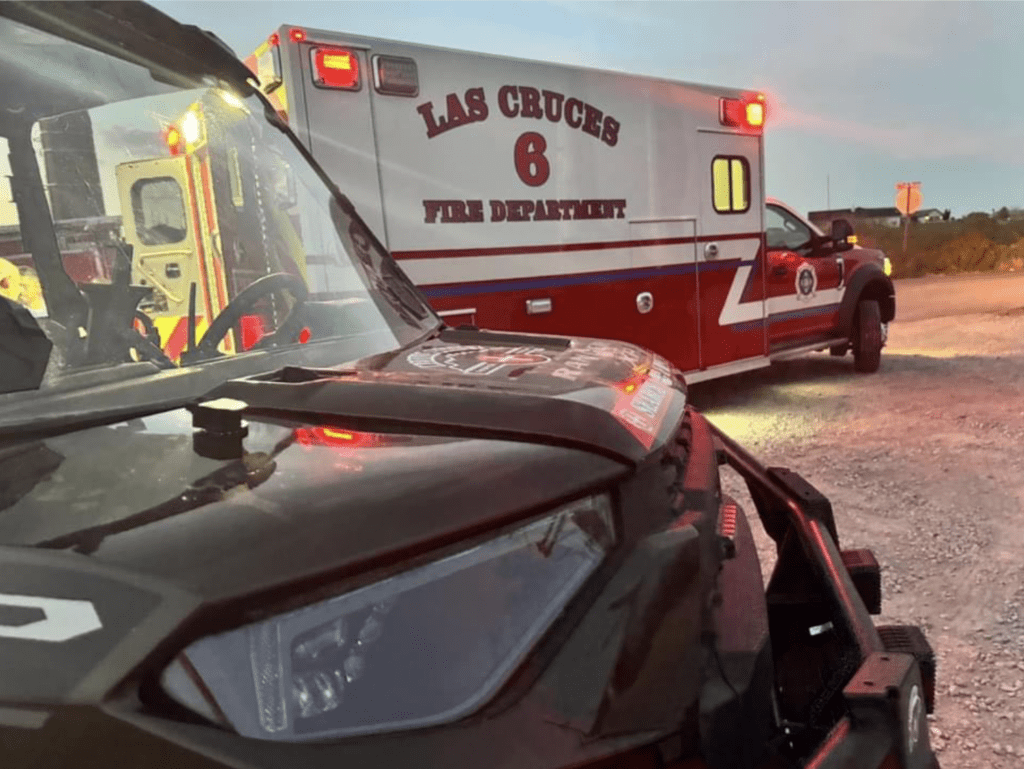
[(810, 312), (560, 281)]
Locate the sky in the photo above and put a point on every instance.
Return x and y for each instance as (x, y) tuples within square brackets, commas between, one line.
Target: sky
[(863, 94)]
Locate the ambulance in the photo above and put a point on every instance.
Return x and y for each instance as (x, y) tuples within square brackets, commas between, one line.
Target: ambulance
[(543, 198)]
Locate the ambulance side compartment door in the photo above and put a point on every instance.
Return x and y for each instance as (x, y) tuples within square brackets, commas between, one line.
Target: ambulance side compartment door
[(730, 253)]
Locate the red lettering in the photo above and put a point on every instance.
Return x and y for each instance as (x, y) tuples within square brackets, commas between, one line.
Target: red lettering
[(431, 209), (433, 127), (477, 104), (531, 102), (619, 206), (506, 101), (553, 105), (476, 210), (515, 210), (456, 113), (542, 212), (592, 123), (531, 165), (554, 211), (570, 106), (498, 211), (610, 134)]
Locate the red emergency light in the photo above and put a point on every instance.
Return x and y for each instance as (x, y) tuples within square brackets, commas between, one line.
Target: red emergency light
[(335, 68), (173, 138), (274, 39), (297, 35), (743, 113)]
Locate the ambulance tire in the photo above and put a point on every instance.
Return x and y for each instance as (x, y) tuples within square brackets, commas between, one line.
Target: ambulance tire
[(867, 341)]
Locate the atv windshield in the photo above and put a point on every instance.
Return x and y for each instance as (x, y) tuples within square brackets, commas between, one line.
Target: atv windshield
[(168, 236)]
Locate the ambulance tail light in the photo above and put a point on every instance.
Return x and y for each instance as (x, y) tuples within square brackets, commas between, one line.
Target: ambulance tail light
[(749, 113), (396, 76), (335, 68)]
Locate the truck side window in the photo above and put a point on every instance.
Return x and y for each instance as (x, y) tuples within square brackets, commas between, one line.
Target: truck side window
[(159, 210), (783, 231), (730, 184)]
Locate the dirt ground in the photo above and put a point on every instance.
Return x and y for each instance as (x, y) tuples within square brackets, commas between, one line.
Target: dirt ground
[(924, 464)]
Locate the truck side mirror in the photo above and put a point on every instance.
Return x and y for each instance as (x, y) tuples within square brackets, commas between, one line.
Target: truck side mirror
[(842, 235)]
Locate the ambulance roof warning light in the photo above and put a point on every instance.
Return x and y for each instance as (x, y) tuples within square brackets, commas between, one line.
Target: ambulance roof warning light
[(274, 39), (335, 68), (297, 35), (396, 76), (747, 113)]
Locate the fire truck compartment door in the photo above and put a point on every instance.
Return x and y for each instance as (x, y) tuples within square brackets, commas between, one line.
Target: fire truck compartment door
[(155, 206), (730, 258)]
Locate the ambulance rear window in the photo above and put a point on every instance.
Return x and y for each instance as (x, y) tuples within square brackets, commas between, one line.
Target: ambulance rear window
[(730, 184)]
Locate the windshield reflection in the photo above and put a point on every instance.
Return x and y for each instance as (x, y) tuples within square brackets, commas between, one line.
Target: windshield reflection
[(174, 229)]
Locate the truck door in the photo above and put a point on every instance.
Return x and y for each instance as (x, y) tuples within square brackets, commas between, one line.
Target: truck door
[(730, 257), (161, 225), (804, 285)]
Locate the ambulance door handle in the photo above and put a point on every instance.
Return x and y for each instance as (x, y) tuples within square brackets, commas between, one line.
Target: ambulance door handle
[(711, 251), (780, 271)]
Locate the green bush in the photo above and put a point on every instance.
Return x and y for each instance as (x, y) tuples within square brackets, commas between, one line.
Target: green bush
[(976, 243)]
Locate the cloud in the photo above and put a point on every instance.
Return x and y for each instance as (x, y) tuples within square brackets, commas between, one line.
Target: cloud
[(909, 142)]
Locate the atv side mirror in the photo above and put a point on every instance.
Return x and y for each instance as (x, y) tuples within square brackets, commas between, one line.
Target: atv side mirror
[(842, 235)]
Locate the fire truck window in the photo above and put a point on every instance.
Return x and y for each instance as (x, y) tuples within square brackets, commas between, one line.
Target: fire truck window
[(159, 210), (783, 231), (730, 185)]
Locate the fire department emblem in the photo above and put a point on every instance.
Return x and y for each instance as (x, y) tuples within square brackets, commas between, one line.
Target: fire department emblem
[(806, 282), (478, 360)]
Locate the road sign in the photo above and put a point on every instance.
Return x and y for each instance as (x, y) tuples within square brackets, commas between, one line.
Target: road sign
[(908, 197)]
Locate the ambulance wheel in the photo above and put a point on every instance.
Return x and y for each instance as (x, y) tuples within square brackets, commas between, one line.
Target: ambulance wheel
[(867, 341)]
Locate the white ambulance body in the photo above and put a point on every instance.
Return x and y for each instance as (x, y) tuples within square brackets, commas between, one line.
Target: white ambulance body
[(544, 198)]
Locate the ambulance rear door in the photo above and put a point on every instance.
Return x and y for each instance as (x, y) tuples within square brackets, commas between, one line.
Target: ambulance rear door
[(329, 79), (730, 255)]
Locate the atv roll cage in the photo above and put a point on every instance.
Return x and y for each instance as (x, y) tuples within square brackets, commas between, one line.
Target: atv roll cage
[(861, 694)]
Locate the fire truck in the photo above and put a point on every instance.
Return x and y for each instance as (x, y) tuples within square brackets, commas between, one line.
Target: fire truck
[(543, 198)]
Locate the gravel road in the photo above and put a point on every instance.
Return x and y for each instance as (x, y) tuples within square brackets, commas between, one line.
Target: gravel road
[(924, 464)]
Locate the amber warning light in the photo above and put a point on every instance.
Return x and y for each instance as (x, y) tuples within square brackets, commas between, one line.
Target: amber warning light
[(335, 68), (743, 113)]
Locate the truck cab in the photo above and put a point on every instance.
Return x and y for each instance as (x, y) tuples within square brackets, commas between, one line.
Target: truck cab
[(824, 290)]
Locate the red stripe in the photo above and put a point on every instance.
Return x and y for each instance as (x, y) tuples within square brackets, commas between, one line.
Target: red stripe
[(558, 247)]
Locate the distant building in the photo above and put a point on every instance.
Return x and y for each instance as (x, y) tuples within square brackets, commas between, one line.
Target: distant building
[(928, 215), (887, 217)]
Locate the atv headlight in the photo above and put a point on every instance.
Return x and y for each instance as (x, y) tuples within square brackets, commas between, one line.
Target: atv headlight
[(423, 647)]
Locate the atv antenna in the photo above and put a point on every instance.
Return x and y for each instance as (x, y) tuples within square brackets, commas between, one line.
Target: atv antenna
[(191, 340)]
